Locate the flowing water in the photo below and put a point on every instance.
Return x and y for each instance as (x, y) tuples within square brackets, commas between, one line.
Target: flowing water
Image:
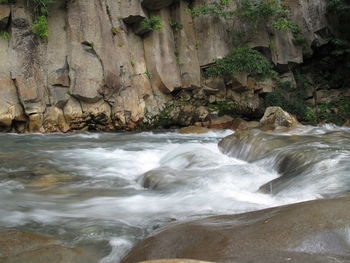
[(110, 190)]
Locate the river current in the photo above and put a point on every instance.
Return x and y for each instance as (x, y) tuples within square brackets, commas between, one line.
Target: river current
[(110, 190)]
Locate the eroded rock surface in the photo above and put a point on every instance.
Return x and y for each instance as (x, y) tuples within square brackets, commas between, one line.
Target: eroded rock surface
[(96, 71)]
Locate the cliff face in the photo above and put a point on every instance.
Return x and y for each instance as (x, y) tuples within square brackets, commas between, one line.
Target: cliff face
[(100, 70)]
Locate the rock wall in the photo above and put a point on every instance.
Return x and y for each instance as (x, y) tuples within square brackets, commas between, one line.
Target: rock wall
[(99, 70)]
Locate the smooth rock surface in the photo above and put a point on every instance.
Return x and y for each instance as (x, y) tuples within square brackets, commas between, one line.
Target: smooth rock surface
[(309, 232), (18, 246), (194, 129)]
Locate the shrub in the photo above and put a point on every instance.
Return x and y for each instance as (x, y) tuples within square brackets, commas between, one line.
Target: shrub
[(216, 8), (4, 34), (152, 23), (40, 26), (244, 59), (259, 11), (288, 98), (176, 26)]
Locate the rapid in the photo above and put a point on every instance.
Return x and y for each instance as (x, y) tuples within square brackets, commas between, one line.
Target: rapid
[(110, 190)]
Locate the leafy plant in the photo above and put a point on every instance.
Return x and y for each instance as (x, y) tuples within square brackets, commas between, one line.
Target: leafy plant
[(4, 34), (40, 26), (115, 30), (260, 11), (152, 23), (244, 59), (216, 8), (288, 98), (149, 74), (176, 26)]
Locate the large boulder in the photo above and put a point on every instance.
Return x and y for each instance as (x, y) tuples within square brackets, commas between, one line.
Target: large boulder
[(309, 232), (275, 117)]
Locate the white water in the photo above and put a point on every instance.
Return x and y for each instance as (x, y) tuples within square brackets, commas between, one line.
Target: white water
[(104, 200)]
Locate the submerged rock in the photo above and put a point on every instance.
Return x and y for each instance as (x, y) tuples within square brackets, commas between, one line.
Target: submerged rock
[(276, 117), (309, 232), (159, 178), (175, 260), (18, 246)]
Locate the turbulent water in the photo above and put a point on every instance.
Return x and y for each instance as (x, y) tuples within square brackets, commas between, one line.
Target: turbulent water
[(111, 189)]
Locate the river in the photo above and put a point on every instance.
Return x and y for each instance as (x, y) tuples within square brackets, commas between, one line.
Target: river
[(90, 188)]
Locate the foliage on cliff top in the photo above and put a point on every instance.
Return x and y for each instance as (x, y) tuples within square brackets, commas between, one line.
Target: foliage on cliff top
[(255, 13), (244, 59)]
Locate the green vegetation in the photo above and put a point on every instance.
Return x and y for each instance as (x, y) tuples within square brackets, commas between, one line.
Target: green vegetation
[(4, 34), (176, 26), (289, 98), (149, 74), (259, 12), (40, 26), (256, 13), (244, 59), (224, 107), (336, 111), (152, 23), (339, 10), (115, 30), (216, 8)]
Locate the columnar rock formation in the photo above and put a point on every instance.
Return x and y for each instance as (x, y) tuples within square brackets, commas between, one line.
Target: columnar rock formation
[(99, 70)]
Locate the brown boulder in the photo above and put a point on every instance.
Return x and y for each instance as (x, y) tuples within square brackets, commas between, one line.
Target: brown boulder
[(309, 232), (275, 117), (347, 123), (193, 129)]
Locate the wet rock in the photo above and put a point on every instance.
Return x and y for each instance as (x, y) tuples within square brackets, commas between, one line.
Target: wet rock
[(253, 144), (309, 232), (174, 260), (275, 117), (194, 129), (347, 123), (159, 178), (18, 246), (253, 124), (289, 165), (223, 122), (51, 179)]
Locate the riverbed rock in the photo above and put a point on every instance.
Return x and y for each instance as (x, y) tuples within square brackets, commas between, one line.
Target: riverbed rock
[(159, 178), (253, 144), (309, 232), (17, 246), (276, 117), (347, 123), (175, 260), (194, 129)]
